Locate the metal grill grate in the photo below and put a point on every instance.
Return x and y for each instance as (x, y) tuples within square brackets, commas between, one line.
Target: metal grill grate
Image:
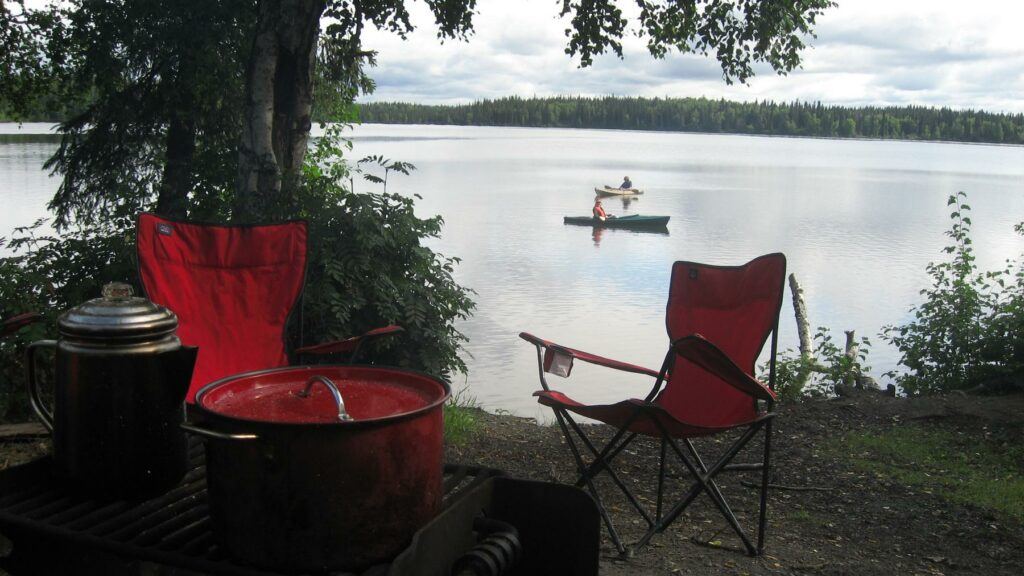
[(172, 529)]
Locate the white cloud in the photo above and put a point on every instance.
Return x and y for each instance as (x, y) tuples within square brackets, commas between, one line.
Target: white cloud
[(867, 52)]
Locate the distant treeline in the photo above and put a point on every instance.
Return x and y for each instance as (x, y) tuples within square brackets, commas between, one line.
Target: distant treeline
[(704, 115)]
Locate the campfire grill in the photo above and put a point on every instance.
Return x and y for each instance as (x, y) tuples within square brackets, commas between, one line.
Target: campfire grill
[(48, 524)]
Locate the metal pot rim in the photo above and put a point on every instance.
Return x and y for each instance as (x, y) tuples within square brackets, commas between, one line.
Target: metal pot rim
[(350, 424)]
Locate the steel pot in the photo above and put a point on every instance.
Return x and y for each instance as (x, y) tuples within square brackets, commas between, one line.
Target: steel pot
[(322, 467), (119, 391)]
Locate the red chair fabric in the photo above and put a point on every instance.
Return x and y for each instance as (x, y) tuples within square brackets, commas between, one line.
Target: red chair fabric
[(735, 308), (15, 323), (232, 287)]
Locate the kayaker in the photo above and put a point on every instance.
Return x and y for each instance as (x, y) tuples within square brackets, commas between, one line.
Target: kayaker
[(599, 212), (626, 183)]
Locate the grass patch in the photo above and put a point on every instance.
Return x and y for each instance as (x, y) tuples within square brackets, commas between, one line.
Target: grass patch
[(459, 418), (800, 516), (958, 467)]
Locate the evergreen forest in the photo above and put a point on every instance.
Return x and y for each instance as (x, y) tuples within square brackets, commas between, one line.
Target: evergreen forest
[(716, 116)]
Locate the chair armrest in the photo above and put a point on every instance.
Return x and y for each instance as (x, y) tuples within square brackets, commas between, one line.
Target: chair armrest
[(703, 353), (588, 357), (15, 323), (348, 344)]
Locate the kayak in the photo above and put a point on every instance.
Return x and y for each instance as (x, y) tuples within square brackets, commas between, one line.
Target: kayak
[(635, 221), (609, 191)]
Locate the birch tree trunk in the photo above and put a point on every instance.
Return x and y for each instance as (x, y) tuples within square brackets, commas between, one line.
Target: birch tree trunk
[(279, 102)]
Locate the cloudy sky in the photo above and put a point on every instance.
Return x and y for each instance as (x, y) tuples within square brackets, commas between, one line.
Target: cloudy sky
[(881, 52)]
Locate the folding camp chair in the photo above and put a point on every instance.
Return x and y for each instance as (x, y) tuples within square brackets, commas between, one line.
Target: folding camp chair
[(718, 319), (15, 323), (233, 289)]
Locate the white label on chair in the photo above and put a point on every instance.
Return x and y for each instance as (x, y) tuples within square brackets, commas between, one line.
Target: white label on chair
[(557, 362)]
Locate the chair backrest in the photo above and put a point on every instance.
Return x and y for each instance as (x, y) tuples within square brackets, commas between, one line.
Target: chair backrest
[(232, 287), (736, 308)]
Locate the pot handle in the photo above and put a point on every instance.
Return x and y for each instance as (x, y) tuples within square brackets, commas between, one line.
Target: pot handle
[(217, 435), (34, 397), (342, 414)]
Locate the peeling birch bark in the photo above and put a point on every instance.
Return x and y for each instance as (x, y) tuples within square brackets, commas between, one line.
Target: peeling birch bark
[(258, 172), (803, 331), (279, 103), (851, 353), (800, 311)]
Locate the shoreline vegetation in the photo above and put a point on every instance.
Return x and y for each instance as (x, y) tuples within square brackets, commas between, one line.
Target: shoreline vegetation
[(686, 115), (704, 115)]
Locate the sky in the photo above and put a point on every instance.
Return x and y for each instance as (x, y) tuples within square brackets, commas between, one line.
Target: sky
[(867, 52)]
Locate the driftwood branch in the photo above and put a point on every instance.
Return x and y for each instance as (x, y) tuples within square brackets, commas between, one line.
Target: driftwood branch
[(804, 332), (22, 430), (785, 487), (800, 311)]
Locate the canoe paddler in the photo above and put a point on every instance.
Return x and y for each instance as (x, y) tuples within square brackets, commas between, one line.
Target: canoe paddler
[(626, 183)]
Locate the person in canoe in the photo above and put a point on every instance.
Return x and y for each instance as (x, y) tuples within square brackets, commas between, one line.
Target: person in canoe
[(627, 184), (599, 213)]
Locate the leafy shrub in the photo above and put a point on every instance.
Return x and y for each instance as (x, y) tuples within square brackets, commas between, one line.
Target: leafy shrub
[(367, 267), (792, 371), (968, 330), (1002, 341)]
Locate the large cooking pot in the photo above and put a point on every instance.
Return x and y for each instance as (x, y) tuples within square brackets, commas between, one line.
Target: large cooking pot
[(119, 393), (321, 467)]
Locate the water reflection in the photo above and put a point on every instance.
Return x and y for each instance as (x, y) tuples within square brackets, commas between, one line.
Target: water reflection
[(858, 221), (599, 231)]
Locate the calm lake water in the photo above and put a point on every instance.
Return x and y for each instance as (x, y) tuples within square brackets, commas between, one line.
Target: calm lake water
[(857, 220)]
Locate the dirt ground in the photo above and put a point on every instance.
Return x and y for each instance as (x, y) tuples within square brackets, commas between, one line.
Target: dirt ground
[(831, 518)]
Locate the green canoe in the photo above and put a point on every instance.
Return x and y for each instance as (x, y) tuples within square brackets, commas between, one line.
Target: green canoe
[(635, 221)]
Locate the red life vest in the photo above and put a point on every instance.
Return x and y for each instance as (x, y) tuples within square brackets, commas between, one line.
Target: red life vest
[(599, 211)]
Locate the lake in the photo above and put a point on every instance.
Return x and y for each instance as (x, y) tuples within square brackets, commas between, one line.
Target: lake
[(858, 221)]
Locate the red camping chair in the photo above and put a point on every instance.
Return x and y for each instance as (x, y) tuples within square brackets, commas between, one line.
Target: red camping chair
[(15, 323), (718, 319), (233, 289)]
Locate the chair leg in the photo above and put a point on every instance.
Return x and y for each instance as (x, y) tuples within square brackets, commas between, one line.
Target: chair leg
[(602, 461), (581, 466), (715, 493), (605, 456), (762, 521), (705, 483), (661, 480)]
